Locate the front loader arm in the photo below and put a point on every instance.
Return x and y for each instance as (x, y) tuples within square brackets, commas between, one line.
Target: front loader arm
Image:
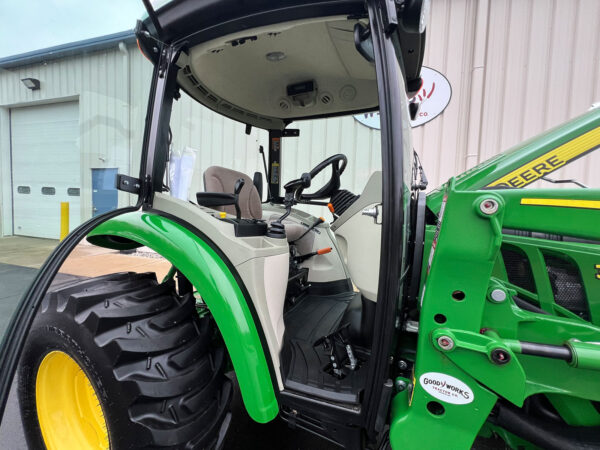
[(531, 160), (476, 345)]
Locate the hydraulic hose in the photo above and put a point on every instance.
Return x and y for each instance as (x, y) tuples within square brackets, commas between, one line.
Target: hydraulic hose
[(551, 436)]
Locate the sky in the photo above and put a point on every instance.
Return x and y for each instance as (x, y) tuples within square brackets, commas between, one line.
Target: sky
[(28, 25)]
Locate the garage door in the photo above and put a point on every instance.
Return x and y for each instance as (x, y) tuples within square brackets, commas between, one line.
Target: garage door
[(45, 167)]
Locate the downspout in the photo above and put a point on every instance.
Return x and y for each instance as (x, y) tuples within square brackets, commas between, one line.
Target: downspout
[(478, 64), (127, 77)]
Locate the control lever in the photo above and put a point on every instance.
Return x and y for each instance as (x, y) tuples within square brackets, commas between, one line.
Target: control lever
[(239, 184), (332, 210), (277, 229), (322, 251), (291, 189), (319, 221), (261, 150)]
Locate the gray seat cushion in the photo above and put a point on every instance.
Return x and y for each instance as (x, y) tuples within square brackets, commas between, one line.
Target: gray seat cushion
[(220, 179)]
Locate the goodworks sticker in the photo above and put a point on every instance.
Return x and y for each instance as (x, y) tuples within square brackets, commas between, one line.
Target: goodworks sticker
[(446, 388)]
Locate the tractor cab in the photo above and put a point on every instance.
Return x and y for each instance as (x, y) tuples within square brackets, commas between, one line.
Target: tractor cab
[(307, 247)]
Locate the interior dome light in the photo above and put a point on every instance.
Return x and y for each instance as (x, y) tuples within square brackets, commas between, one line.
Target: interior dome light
[(275, 56)]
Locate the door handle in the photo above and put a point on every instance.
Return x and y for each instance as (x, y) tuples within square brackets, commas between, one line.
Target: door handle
[(373, 212)]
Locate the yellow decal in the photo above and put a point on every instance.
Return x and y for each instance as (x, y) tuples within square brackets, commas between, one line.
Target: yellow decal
[(412, 393), (562, 203), (597, 267), (550, 161)]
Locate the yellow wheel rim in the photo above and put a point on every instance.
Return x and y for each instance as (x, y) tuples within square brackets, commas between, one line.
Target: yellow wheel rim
[(68, 409)]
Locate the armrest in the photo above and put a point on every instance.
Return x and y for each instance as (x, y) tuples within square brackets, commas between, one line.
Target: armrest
[(211, 199)]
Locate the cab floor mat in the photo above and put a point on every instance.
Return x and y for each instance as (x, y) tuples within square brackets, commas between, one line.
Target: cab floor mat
[(306, 368)]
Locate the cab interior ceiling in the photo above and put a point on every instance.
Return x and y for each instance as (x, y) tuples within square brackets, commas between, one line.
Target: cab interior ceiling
[(268, 76)]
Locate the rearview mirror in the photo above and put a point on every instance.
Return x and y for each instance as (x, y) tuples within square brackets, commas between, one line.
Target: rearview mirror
[(364, 42)]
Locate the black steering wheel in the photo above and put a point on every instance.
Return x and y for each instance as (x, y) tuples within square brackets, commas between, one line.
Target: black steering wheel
[(338, 165)]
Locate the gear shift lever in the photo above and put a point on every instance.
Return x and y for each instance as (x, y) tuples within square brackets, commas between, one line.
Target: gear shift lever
[(277, 229), (239, 184)]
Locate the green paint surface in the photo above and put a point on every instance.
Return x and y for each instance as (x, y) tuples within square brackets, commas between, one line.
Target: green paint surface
[(494, 168), (218, 288), (467, 260)]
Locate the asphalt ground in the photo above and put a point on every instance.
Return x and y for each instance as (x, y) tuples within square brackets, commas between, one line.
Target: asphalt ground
[(244, 433), (14, 281)]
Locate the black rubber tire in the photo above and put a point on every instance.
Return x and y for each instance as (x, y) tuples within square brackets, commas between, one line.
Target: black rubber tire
[(156, 366)]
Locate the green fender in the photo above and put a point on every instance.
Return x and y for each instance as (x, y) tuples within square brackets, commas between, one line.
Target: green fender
[(215, 282)]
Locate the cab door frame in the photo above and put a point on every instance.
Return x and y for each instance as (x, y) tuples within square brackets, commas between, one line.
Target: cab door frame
[(395, 196)]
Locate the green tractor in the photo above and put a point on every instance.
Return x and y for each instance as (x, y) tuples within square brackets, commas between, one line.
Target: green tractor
[(407, 321)]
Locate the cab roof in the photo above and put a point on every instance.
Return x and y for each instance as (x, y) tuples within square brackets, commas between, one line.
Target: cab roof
[(267, 63), (200, 21)]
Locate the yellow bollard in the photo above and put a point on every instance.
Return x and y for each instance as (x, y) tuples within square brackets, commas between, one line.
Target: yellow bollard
[(64, 220)]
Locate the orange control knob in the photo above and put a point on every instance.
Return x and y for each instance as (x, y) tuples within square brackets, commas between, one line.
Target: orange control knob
[(323, 251)]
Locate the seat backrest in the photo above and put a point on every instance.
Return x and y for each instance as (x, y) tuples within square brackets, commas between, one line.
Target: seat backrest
[(220, 179)]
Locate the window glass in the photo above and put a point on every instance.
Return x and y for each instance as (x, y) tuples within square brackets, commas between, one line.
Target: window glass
[(203, 138), (321, 138), (74, 106)]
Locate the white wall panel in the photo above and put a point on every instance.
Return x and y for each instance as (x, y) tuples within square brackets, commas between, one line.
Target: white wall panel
[(517, 68)]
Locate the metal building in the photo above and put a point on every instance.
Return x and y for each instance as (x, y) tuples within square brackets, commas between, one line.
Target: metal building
[(516, 68)]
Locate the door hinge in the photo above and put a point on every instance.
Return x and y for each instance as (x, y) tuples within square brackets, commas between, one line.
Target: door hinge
[(129, 184), (390, 17)]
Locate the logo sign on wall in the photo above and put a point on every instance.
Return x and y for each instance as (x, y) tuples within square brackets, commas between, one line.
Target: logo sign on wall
[(433, 97)]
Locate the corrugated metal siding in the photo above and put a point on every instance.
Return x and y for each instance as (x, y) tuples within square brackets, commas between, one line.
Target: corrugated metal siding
[(517, 68), (97, 82)]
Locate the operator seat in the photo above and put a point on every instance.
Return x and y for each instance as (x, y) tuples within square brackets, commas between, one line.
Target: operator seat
[(221, 179)]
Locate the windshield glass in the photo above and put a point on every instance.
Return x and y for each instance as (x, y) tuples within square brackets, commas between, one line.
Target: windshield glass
[(322, 138), (202, 139)]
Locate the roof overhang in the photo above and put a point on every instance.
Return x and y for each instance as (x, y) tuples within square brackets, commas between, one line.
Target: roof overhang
[(66, 50), (196, 22)]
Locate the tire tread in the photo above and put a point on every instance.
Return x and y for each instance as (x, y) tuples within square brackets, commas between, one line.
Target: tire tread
[(163, 355)]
